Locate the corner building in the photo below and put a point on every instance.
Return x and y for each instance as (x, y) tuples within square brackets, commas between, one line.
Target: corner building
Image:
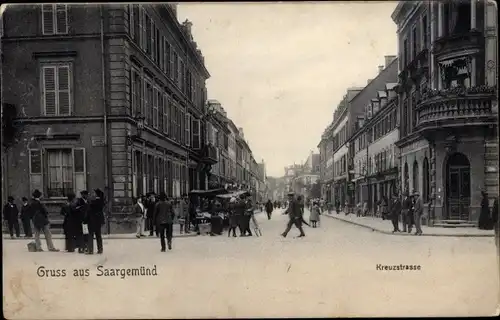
[(448, 104), (106, 96)]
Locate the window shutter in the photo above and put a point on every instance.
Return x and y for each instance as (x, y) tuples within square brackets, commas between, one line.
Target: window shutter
[(131, 23), (47, 19), (182, 124), (160, 52), (188, 129), (154, 111), (140, 35), (62, 18), (153, 42), (165, 114), (159, 115), (155, 175), (36, 169), (80, 169), (64, 90), (133, 90), (134, 174), (196, 133), (49, 90)]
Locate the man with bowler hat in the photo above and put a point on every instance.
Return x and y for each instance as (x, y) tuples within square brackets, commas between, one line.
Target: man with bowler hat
[(294, 211), (82, 206), (41, 222)]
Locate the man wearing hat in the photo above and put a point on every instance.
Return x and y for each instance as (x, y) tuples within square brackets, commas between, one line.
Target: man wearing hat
[(294, 211), (82, 206), (11, 216), (41, 222), (405, 211), (150, 208), (418, 210)]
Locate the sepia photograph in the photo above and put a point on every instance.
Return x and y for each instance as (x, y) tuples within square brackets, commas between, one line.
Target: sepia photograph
[(178, 160)]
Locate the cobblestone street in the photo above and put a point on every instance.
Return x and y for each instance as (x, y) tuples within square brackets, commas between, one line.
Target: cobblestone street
[(330, 272)]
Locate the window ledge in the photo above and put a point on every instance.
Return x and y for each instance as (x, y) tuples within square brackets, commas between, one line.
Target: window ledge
[(54, 54), (70, 136)]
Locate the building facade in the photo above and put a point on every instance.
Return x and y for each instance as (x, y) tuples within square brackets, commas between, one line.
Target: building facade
[(127, 117), (447, 96), (376, 160)]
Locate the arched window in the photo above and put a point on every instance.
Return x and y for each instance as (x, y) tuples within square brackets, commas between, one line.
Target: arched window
[(426, 180), (415, 176), (406, 182)]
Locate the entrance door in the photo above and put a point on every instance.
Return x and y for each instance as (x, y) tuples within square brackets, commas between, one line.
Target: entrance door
[(458, 187)]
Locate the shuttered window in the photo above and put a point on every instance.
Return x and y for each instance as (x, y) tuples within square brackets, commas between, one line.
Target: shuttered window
[(196, 133), (159, 115), (154, 116), (165, 114), (80, 169), (54, 19), (171, 65), (56, 89), (188, 129), (136, 92), (36, 173)]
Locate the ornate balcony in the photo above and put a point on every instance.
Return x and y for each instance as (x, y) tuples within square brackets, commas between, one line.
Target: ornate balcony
[(469, 42), (209, 154), (457, 107)]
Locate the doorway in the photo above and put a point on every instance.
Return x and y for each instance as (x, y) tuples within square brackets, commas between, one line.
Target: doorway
[(458, 187)]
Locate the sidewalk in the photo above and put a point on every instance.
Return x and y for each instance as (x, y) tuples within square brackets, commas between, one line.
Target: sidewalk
[(385, 226), (108, 236)]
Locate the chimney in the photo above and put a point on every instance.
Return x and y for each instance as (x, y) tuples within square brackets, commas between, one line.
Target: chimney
[(380, 68), (388, 60)]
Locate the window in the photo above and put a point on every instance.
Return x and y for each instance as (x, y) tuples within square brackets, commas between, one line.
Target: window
[(136, 93), (415, 176), (172, 63), (159, 112), (148, 39), (196, 133), (59, 173), (166, 57), (158, 45), (182, 125), (56, 89), (36, 174), (187, 127), (176, 68), (131, 22), (166, 110), (426, 181), (414, 42), (180, 66), (405, 53), (424, 32), (155, 109), (148, 102), (55, 19), (136, 24)]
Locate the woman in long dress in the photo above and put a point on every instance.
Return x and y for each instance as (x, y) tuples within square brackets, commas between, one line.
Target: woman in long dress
[(314, 215)]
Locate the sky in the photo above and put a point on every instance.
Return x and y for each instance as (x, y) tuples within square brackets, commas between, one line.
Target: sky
[(280, 69)]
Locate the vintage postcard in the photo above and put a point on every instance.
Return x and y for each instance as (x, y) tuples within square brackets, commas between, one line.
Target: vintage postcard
[(250, 160)]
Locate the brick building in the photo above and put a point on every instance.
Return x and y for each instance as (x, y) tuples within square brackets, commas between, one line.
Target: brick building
[(449, 107), (106, 96)]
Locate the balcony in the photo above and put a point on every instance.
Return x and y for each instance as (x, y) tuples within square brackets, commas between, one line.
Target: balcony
[(457, 107), (471, 41), (209, 154)]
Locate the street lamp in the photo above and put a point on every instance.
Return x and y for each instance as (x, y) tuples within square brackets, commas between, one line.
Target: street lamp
[(139, 119)]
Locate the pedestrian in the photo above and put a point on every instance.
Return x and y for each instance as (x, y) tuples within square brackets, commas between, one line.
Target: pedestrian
[(183, 214), (405, 212), (233, 218), (395, 212), (26, 218), (95, 220), (295, 216), (314, 214), (269, 209), (82, 207), (11, 216), (163, 216), (418, 210), (140, 215), (150, 209), (485, 221), (247, 216), (41, 222), (239, 215), (68, 211), (337, 206), (384, 208)]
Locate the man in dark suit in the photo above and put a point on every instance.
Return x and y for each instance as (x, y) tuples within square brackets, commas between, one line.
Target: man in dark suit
[(26, 218), (150, 209), (82, 206), (164, 220), (405, 211), (294, 211), (418, 210), (395, 212), (11, 215)]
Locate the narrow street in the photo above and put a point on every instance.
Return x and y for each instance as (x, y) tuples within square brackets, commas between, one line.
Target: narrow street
[(330, 272)]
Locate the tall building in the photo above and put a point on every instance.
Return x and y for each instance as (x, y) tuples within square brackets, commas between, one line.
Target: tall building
[(104, 96), (448, 79)]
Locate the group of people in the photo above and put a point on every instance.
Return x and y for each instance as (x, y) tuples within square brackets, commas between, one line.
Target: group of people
[(240, 216), (11, 217), (158, 214)]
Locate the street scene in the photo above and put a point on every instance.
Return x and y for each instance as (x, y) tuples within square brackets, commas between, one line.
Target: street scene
[(178, 160)]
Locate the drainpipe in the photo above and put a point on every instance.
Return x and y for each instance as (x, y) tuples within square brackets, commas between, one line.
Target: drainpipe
[(107, 158)]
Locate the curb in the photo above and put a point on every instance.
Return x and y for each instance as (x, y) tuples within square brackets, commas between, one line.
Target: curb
[(409, 234)]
